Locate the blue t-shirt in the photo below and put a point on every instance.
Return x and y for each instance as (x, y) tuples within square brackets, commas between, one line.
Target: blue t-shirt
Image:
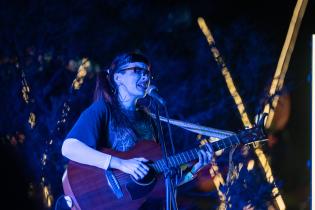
[(97, 127)]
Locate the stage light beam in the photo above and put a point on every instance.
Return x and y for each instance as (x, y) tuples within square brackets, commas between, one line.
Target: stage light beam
[(284, 59), (241, 108)]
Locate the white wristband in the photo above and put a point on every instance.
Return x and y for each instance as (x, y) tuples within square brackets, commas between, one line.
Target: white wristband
[(107, 161)]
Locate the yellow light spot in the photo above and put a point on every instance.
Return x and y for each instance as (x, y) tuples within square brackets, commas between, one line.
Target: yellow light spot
[(25, 91), (218, 181), (203, 141), (82, 72), (76, 85), (48, 198), (203, 26), (32, 119), (250, 165), (45, 190), (86, 63), (238, 102)]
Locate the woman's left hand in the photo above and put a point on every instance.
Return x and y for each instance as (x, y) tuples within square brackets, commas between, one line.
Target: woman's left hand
[(205, 158)]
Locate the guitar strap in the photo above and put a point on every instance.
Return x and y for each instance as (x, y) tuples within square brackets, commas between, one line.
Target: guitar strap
[(113, 183)]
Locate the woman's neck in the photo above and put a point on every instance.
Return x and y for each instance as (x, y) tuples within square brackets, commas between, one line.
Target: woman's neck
[(127, 102)]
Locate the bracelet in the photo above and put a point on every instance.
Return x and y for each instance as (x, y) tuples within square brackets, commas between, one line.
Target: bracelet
[(107, 162)]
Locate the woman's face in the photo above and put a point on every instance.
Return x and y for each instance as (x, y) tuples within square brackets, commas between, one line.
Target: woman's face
[(133, 79)]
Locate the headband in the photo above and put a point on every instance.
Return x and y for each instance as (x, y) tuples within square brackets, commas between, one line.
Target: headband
[(132, 65)]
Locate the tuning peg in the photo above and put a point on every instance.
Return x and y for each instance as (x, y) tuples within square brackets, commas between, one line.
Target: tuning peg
[(260, 119)]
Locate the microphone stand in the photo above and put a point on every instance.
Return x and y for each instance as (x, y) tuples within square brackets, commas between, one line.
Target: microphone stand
[(168, 172)]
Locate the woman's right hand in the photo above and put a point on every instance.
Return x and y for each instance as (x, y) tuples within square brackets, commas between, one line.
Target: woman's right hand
[(134, 167)]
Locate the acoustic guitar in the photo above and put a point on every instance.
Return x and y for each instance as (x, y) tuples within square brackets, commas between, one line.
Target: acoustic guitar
[(91, 188)]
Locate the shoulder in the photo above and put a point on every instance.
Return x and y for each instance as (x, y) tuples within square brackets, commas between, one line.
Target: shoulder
[(97, 108), (99, 105)]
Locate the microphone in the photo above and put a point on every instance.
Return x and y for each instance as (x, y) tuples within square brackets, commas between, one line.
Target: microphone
[(152, 91)]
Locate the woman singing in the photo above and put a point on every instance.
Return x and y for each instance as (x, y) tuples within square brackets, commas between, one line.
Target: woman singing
[(114, 120)]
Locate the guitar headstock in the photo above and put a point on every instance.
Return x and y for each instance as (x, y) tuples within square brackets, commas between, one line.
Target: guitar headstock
[(256, 133)]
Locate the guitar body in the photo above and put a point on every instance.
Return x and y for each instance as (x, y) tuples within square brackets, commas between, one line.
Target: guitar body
[(89, 189)]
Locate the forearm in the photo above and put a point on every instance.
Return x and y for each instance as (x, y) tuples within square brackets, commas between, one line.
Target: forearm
[(79, 152)]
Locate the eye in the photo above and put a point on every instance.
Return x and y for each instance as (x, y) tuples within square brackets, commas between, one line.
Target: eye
[(141, 71), (138, 70)]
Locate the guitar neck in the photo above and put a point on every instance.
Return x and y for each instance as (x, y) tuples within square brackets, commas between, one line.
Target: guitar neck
[(190, 155)]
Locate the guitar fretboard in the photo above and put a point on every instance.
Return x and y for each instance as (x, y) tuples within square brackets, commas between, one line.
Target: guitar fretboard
[(190, 155)]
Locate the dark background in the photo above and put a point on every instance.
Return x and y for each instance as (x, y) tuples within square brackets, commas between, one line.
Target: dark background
[(48, 39)]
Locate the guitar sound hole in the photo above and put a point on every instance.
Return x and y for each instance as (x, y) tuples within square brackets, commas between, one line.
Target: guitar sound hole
[(148, 179), (139, 188)]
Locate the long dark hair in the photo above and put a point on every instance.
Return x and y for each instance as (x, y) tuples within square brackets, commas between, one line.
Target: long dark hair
[(106, 89)]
